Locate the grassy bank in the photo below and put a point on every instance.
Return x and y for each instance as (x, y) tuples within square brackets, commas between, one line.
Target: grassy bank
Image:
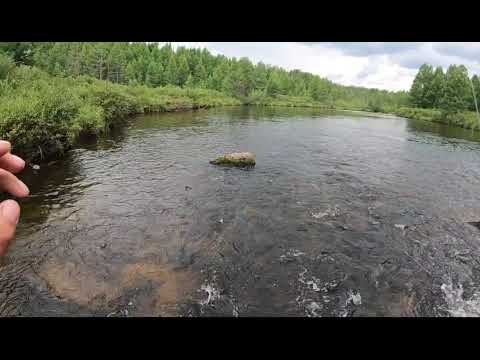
[(465, 119), (43, 115), (287, 101)]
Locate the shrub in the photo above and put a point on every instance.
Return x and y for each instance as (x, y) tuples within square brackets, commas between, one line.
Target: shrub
[(90, 120), (6, 66), (43, 115)]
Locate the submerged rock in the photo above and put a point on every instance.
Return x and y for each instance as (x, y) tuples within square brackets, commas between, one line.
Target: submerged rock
[(236, 159)]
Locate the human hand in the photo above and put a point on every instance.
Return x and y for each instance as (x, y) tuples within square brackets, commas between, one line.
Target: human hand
[(9, 209)]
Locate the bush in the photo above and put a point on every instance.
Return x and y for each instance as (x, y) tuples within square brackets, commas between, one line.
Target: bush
[(90, 120), (421, 114), (6, 66), (465, 119), (43, 115)]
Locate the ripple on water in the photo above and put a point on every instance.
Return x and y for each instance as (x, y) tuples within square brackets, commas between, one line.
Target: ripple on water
[(456, 303), (125, 227)]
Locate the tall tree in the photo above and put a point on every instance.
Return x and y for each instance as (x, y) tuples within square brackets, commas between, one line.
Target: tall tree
[(457, 89), (182, 69), (170, 75), (420, 93), (154, 76), (435, 92)]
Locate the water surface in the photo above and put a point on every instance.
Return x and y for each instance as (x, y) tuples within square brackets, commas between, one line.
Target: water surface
[(344, 215)]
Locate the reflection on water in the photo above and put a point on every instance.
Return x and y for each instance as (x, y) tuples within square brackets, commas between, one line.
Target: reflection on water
[(345, 214)]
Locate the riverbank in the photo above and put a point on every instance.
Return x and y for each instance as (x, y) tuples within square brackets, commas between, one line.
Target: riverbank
[(465, 119), (43, 116)]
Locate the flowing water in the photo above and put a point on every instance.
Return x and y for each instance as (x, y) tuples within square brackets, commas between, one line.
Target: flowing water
[(345, 214)]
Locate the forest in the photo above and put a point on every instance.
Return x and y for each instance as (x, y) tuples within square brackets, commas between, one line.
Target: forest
[(53, 93)]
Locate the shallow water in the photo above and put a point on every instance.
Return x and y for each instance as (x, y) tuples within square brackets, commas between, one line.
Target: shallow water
[(345, 214)]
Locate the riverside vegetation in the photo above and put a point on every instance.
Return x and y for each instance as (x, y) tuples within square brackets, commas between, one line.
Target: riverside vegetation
[(52, 94)]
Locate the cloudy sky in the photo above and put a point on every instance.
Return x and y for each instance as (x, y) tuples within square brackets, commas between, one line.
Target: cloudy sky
[(390, 66)]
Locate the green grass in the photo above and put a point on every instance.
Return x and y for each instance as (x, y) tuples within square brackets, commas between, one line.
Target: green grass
[(43, 116), (465, 119)]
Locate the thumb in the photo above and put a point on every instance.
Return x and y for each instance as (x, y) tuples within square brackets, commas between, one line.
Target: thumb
[(9, 215)]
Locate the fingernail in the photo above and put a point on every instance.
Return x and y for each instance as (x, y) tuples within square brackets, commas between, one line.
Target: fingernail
[(20, 162), (24, 187), (4, 143), (10, 211)]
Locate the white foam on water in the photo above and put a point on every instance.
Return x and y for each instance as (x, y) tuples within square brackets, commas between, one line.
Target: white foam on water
[(213, 294), (294, 253), (329, 212), (290, 253), (319, 215), (457, 305), (312, 309), (354, 298), (311, 284)]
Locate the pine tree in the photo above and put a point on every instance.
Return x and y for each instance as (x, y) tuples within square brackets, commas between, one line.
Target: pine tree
[(170, 75), (215, 81), (199, 74), (182, 70), (154, 75)]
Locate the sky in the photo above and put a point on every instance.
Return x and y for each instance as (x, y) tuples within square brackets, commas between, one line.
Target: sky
[(389, 66)]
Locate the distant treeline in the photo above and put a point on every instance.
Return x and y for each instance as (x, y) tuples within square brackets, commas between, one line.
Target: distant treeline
[(154, 66), (53, 93)]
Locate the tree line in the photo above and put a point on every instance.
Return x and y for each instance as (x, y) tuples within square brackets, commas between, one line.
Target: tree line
[(451, 91), (155, 66)]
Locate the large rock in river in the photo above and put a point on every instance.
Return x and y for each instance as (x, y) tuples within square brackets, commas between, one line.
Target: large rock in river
[(236, 159)]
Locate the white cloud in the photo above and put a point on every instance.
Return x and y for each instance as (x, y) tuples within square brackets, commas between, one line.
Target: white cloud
[(390, 66)]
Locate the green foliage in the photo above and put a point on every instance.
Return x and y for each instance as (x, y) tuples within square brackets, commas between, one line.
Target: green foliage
[(20, 52), (457, 95), (437, 88), (421, 94), (465, 119), (147, 64), (80, 88), (43, 115), (6, 66), (90, 120), (433, 115), (451, 92)]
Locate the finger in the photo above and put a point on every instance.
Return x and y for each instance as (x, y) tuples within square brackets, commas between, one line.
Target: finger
[(5, 147), (12, 163), (9, 215), (11, 184)]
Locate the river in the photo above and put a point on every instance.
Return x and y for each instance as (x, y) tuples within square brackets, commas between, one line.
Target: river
[(345, 214)]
